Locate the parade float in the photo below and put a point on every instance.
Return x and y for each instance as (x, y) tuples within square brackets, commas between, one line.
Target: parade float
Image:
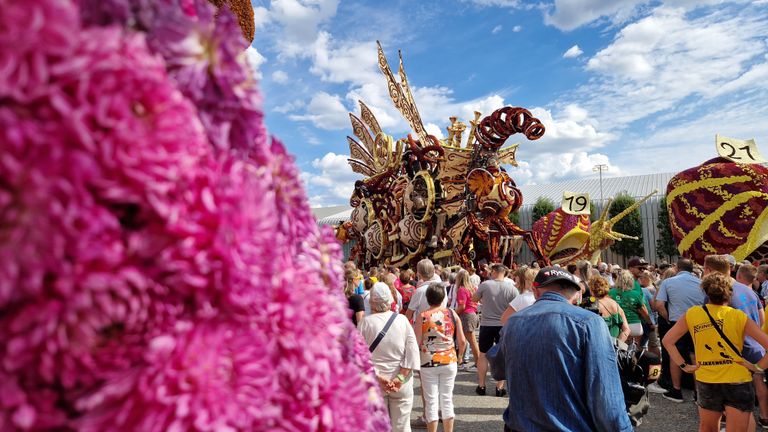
[(160, 268), (450, 199), (721, 206)]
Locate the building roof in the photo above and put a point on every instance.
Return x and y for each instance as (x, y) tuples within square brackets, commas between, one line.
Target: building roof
[(323, 212), (636, 186)]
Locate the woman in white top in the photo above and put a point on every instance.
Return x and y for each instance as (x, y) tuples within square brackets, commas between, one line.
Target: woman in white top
[(525, 279), (394, 358)]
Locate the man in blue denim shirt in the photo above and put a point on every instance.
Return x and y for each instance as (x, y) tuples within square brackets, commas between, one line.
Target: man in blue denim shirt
[(560, 364)]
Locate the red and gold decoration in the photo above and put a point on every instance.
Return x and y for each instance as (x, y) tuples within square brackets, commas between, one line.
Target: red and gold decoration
[(425, 197)]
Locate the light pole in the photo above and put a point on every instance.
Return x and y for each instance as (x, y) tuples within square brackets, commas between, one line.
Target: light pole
[(600, 168)]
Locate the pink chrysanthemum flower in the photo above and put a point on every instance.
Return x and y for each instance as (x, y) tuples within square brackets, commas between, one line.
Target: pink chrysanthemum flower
[(148, 279)]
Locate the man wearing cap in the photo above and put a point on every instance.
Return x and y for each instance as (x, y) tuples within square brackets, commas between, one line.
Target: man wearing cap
[(680, 292), (560, 364), (495, 294)]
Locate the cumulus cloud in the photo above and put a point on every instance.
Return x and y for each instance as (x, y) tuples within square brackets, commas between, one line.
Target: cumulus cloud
[(571, 130), (325, 111), (573, 52), (254, 60), (543, 168), (331, 178), (300, 21), (279, 77), (667, 58), (496, 29), (571, 14), (517, 28)]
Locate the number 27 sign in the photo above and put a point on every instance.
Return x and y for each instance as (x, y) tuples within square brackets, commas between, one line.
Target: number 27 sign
[(739, 151), (575, 203)]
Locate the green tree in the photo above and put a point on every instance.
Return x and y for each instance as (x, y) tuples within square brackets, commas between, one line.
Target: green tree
[(665, 244), (542, 206), (514, 217), (593, 213), (631, 224)]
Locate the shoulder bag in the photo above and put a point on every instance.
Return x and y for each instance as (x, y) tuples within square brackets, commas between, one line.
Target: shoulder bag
[(720, 332), (382, 333)]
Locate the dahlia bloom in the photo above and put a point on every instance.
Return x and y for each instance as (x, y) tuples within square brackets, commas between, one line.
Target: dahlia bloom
[(152, 277)]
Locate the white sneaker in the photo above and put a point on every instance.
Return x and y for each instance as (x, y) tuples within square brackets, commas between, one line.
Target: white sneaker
[(656, 388)]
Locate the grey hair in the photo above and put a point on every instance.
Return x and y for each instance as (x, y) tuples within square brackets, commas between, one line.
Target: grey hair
[(425, 269)]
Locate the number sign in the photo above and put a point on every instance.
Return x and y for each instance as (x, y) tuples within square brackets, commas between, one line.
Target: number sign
[(575, 203), (738, 151)]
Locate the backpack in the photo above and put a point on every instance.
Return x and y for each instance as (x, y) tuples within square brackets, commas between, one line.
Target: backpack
[(406, 291), (636, 370)]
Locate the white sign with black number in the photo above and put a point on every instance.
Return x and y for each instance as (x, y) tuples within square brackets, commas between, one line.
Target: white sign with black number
[(739, 151), (575, 203)]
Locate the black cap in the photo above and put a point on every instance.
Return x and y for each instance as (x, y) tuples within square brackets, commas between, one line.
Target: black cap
[(551, 275), (637, 262)]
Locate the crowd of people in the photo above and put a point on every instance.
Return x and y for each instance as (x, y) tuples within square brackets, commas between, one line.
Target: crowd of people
[(430, 322)]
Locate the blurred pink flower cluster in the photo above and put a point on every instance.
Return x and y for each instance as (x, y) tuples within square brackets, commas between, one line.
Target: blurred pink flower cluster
[(160, 269)]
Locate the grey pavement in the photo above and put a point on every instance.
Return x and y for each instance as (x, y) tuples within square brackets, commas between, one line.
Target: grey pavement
[(483, 413)]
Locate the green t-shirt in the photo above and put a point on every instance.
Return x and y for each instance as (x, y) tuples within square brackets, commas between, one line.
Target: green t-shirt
[(630, 301)]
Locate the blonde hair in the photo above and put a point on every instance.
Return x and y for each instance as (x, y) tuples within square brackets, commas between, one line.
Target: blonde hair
[(527, 278), (350, 276), (625, 281), (717, 263), (462, 280)]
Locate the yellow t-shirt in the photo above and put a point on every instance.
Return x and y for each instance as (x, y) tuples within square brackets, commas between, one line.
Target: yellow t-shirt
[(717, 359)]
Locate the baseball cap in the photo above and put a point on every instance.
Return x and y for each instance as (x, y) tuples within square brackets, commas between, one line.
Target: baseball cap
[(380, 293), (551, 275), (637, 262)]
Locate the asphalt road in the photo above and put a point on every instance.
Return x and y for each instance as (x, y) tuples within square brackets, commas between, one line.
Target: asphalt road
[(483, 413)]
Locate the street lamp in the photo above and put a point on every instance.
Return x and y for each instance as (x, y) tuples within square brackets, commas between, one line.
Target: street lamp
[(600, 168)]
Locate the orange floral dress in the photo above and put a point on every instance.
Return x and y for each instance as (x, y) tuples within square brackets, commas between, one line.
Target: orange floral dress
[(437, 330)]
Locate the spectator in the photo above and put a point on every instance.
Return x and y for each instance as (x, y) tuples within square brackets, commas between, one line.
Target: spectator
[(651, 338), (746, 300), (467, 311), (406, 289), (762, 278), (573, 383), (525, 282), (610, 310), (681, 292), (495, 294), (605, 273), (723, 382), (352, 278), (394, 358), (633, 304), (435, 330), (390, 279)]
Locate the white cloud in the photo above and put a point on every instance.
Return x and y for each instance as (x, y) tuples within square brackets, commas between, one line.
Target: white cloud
[(299, 20), (496, 29), (325, 111), (435, 130), (332, 179), (570, 14), (573, 52), (543, 168), (571, 130), (502, 3), (668, 61), (254, 60), (279, 77), (340, 62), (517, 28)]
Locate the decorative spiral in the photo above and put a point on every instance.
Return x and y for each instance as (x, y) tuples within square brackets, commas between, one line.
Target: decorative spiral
[(494, 129)]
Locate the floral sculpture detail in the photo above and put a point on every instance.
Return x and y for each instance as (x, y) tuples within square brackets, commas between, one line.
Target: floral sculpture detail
[(160, 269)]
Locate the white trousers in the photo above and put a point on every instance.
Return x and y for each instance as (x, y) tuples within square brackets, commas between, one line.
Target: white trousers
[(437, 384), (399, 404)]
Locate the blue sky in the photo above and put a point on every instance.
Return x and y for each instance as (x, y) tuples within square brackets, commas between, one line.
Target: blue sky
[(640, 86)]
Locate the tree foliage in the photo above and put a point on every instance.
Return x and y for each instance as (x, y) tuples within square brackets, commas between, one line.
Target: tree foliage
[(542, 206), (514, 217), (665, 244), (632, 224)]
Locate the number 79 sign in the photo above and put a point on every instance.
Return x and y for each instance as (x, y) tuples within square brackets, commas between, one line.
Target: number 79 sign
[(739, 151), (575, 203)]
